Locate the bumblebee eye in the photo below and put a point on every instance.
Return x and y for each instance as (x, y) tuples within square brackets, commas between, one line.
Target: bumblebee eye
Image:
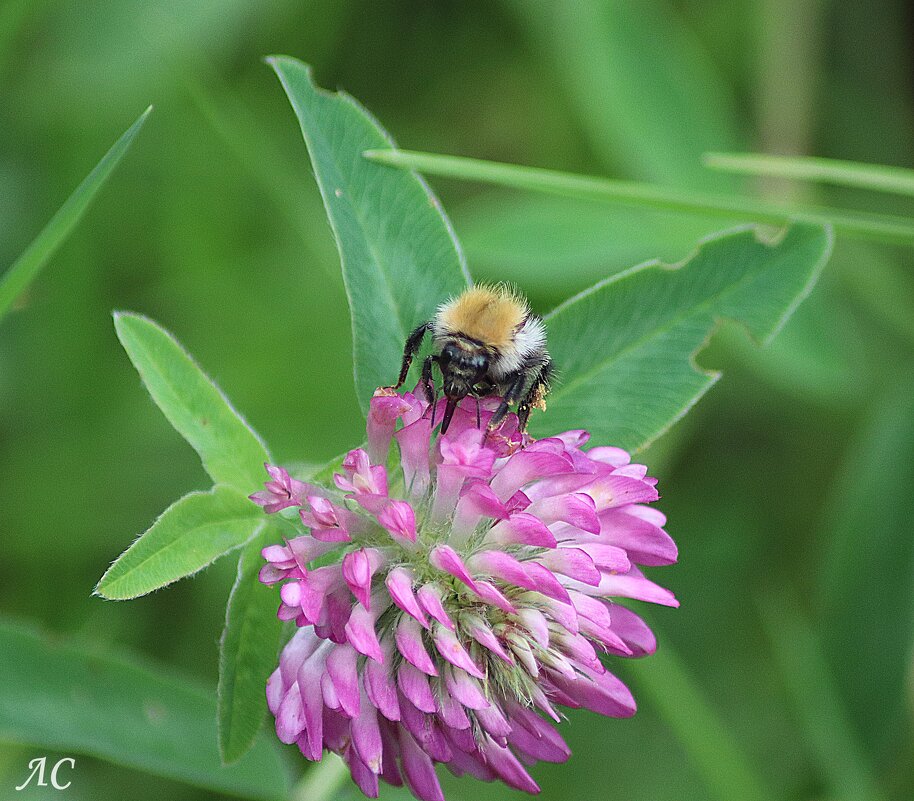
[(447, 354)]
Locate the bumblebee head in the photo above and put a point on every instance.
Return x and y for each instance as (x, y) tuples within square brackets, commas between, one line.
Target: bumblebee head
[(462, 367)]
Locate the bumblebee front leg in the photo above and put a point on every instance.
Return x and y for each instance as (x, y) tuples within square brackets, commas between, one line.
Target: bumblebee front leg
[(413, 343), (428, 384), (512, 396)]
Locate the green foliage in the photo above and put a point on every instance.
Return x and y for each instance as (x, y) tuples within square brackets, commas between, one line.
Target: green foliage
[(797, 466), (626, 346), (231, 452), (248, 652), (668, 685), (81, 700), (808, 680), (23, 271), (203, 526), (599, 49), (397, 250), (865, 583), (190, 534)]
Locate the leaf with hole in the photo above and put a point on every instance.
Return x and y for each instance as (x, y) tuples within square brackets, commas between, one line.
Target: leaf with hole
[(625, 348)]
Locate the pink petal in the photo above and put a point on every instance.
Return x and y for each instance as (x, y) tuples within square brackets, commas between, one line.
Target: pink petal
[(633, 631), (450, 648), (546, 581), (591, 608), (341, 667), (429, 596), (575, 563), (418, 769), (408, 637), (309, 676), (492, 595), (506, 766), (493, 721), (290, 717), (447, 559), (366, 779), (535, 737), (366, 736), (414, 685), (632, 585), (358, 568), (381, 688), (413, 440), (535, 622), (384, 409), (479, 630), (399, 583), (477, 500), (503, 566), (603, 694), (639, 532), (306, 549), (609, 455), (464, 688), (399, 519), (609, 558), (276, 691), (451, 711), (576, 509), (614, 490), (360, 632), (527, 466), (522, 529)]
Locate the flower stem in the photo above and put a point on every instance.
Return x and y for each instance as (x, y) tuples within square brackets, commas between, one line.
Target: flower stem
[(322, 782)]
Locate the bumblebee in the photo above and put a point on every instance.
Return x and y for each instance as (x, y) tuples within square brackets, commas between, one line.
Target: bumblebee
[(486, 341)]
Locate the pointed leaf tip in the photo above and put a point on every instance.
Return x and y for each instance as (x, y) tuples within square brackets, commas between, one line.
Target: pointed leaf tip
[(399, 258)]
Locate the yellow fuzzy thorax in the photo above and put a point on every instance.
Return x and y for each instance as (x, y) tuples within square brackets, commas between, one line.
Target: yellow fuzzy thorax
[(490, 314)]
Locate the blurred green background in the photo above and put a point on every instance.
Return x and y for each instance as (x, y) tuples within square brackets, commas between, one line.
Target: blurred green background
[(788, 489)]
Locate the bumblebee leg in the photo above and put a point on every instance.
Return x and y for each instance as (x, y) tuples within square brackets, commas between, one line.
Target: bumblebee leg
[(515, 390), (428, 384), (534, 396), (413, 343)]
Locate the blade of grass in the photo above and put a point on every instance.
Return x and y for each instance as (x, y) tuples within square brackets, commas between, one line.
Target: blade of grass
[(667, 683), (874, 227), (807, 678), (878, 177), (37, 254)]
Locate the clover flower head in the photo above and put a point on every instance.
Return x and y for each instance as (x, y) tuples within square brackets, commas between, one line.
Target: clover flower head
[(468, 586)]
